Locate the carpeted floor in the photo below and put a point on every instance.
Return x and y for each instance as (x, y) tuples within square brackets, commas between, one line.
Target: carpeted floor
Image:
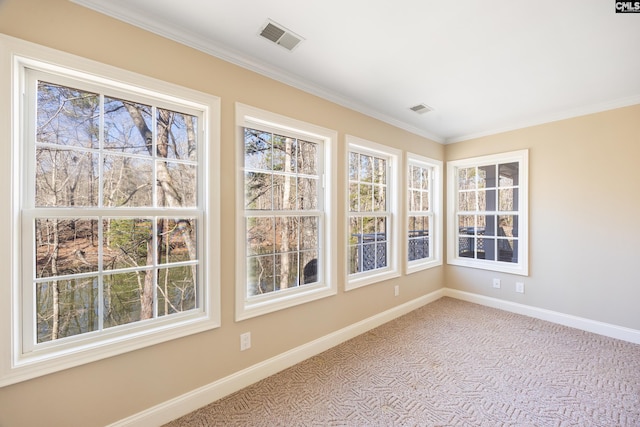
[(450, 363)]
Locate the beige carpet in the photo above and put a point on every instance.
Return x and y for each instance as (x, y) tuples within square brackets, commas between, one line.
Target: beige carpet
[(450, 363)]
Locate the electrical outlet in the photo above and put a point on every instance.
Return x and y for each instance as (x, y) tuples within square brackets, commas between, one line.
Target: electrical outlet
[(520, 287), (396, 290), (496, 283), (245, 341)]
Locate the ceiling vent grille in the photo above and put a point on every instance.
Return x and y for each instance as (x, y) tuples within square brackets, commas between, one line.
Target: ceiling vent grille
[(280, 35), (421, 108)]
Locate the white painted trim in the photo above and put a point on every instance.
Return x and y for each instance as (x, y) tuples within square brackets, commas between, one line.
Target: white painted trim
[(588, 325), (188, 402), (246, 308), (395, 198), (17, 365)]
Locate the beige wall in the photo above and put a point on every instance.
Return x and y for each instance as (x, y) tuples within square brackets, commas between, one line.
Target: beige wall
[(106, 391), (584, 201), (583, 245)]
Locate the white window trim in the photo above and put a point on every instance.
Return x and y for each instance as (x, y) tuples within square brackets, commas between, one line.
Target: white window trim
[(16, 366), (522, 266), (248, 307), (435, 190), (394, 156)]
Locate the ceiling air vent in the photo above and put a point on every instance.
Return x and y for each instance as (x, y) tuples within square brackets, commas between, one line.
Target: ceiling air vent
[(421, 108), (280, 35)]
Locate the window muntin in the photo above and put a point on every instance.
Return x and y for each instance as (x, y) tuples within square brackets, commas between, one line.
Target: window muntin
[(77, 153), (98, 264), (283, 211), (489, 198), (372, 240), (368, 212), (286, 216), (424, 229)]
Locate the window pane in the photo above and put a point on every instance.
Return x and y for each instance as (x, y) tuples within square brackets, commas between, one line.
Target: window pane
[(414, 200), (487, 225), (258, 191), (368, 256), (381, 254), (260, 272), (509, 174), (487, 176), (466, 178), (309, 232), (486, 249), (369, 227), (127, 242), (424, 201), (309, 266), (286, 237), (381, 229), (176, 289), (414, 177), (354, 199), (260, 235), (257, 149), (354, 166), (418, 237), (467, 201), (287, 270), (307, 158), (507, 225), (366, 168), (366, 198), (355, 262), (486, 200), (176, 240), (65, 246), (176, 184), (380, 198), (355, 230), (418, 225), (307, 194), (424, 178), (467, 224), (466, 247), (75, 312), (284, 192), (284, 157), (506, 202), (67, 116), (176, 135), (66, 178), (128, 181), (122, 302), (127, 127), (379, 171)]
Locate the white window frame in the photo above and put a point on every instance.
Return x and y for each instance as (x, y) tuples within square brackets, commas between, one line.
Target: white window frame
[(17, 363), (393, 157), (434, 213), (252, 306), (522, 266)]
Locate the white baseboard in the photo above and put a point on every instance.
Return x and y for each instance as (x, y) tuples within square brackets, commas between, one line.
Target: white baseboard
[(188, 402), (601, 328)]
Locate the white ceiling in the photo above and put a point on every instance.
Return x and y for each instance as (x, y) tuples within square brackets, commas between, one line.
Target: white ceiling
[(484, 66)]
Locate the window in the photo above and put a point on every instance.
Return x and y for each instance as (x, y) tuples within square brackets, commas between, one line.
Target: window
[(284, 258), (424, 223), (487, 199), (113, 206), (372, 217)]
